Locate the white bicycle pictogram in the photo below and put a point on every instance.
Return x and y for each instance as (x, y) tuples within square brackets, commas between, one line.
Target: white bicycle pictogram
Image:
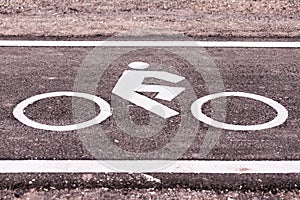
[(127, 87)]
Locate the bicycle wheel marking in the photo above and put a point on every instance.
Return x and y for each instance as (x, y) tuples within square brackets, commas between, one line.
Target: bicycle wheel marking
[(104, 114), (281, 117)]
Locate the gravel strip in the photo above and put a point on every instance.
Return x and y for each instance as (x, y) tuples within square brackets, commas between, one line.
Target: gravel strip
[(180, 194), (226, 18)]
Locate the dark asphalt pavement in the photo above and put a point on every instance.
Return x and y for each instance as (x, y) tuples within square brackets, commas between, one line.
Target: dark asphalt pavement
[(273, 73)]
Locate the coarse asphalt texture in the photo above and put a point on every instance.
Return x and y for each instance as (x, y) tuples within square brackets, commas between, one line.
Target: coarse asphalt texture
[(273, 73)]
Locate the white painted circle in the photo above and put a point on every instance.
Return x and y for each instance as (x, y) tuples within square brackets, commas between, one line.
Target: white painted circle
[(104, 114), (282, 113)]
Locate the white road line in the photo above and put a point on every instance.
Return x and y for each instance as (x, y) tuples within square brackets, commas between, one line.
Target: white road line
[(236, 44), (194, 166)]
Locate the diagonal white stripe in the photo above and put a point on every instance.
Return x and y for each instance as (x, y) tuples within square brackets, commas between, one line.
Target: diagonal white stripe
[(192, 166)]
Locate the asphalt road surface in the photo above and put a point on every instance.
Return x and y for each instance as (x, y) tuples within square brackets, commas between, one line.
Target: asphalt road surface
[(29, 71)]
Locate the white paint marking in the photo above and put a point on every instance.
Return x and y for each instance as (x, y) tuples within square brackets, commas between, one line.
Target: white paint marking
[(234, 44), (104, 114), (282, 113), (193, 166), (131, 81), (138, 65)]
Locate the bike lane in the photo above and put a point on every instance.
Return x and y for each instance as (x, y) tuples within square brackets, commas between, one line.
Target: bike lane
[(272, 73)]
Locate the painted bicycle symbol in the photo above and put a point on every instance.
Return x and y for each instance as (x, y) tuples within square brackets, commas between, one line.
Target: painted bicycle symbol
[(128, 86)]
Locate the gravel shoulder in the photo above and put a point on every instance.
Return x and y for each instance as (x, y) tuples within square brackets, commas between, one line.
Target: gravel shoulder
[(116, 194), (204, 18)]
